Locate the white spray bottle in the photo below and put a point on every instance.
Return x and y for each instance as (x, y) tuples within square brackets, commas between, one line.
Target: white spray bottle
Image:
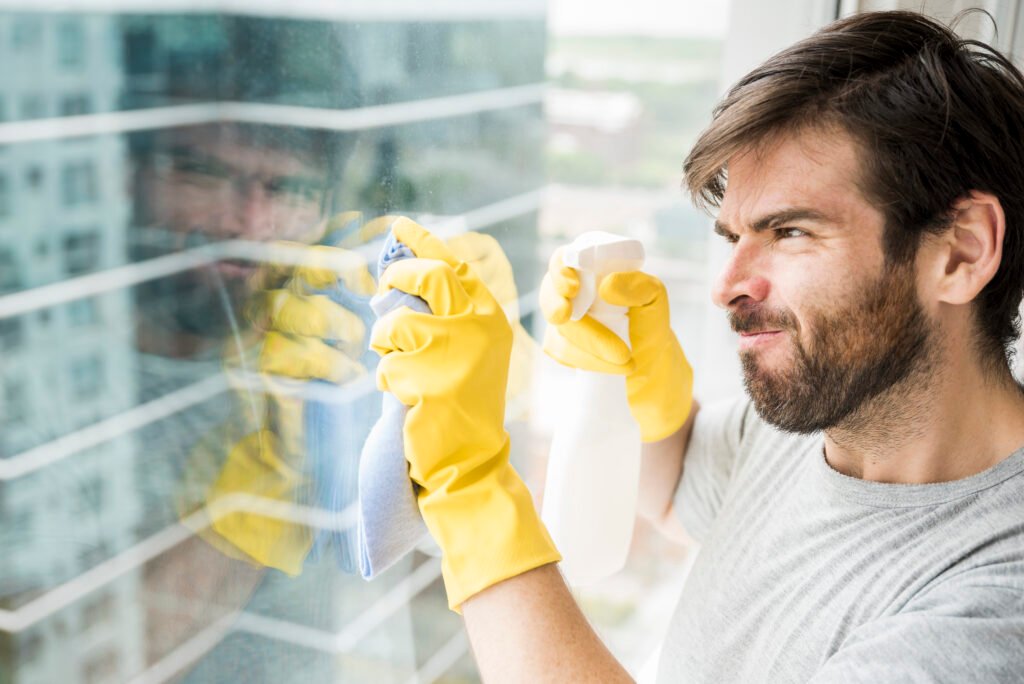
[(594, 466)]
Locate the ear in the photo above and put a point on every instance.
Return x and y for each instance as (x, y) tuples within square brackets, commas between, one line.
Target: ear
[(972, 249)]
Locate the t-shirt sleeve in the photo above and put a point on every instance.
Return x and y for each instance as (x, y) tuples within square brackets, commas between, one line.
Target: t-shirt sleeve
[(710, 463), (966, 633)]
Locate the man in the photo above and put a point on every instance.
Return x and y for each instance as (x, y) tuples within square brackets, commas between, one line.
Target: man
[(862, 511)]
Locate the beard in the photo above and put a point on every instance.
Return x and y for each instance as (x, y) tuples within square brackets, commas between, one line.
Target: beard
[(195, 302), (855, 358)]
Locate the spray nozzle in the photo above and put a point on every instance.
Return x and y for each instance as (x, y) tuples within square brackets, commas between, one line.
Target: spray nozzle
[(595, 255)]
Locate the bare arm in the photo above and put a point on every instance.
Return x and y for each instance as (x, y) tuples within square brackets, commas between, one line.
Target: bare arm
[(660, 470), (529, 629)]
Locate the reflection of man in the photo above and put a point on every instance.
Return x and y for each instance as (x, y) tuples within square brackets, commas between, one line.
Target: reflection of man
[(199, 186), (860, 511), (213, 183), (284, 321)]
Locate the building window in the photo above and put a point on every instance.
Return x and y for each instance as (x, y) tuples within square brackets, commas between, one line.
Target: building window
[(75, 105), (33, 107), (87, 377), (70, 43), (78, 184), (83, 312), (34, 177), (5, 195), (15, 401), (12, 334), (81, 253), (26, 33), (10, 273)]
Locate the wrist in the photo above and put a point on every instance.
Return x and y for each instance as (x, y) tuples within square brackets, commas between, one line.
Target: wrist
[(488, 530), (660, 390)]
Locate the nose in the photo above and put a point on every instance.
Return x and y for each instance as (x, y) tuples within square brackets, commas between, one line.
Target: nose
[(250, 215), (742, 276)]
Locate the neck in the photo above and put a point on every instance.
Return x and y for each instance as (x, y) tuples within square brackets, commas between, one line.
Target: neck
[(946, 423)]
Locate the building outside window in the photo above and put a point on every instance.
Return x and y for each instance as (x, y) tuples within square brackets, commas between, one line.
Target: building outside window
[(81, 252), (79, 184), (10, 270), (5, 196), (16, 406), (72, 105), (70, 43), (33, 106), (87, 377), (83, 312), (12, 334), (26, 32)]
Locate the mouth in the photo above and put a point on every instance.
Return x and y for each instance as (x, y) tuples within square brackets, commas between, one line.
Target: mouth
[(758, 338), (235, 268)]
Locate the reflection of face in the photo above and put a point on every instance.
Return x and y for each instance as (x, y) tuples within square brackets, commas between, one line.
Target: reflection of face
[(826, 325), (210, 184), (212, 181)]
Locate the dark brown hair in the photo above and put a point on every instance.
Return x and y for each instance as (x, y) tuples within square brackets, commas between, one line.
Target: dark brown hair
[(935, 116)]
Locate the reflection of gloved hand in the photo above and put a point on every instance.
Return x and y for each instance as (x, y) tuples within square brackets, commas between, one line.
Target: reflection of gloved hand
[(659, 380), (306, 335), (487, 259), (450, 368)]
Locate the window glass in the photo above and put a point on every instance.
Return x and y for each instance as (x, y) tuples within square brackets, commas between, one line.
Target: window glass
[(630, 91), (167, 514)]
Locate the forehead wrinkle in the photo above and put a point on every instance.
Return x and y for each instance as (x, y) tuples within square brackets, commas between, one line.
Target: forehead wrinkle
[(794, 168)]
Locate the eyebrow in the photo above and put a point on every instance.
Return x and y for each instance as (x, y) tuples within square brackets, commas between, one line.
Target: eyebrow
[(776, 219)]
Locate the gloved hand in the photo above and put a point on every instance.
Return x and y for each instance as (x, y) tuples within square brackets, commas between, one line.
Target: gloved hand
[(484, 255), (450, 368), (303, 334), (659, 380)]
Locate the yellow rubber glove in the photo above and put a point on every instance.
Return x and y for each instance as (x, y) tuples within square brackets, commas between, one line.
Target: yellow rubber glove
[(488, 260), (304, 336), (450, 368), (659, 380), (255, 466)]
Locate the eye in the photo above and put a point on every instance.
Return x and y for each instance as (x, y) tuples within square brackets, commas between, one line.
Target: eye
[(783, 233)]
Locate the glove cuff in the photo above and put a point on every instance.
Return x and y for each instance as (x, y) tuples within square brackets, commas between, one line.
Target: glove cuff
[(488, 530), (661, 413)]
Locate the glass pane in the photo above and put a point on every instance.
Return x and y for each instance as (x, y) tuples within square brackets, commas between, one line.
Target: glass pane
[(178, 454), (163, 179), (622, 112)]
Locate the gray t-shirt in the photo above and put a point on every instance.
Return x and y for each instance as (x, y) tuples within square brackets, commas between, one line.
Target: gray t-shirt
[(807, 575)]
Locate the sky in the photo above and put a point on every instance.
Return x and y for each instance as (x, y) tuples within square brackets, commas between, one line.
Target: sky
[(638, 17)]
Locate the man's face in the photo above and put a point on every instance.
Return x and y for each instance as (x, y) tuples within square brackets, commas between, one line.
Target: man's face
[(826, 325), (210, 184)]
